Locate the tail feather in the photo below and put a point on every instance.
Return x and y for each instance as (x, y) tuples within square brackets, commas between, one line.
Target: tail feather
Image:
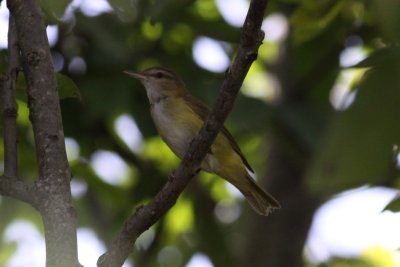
[(262, 202)]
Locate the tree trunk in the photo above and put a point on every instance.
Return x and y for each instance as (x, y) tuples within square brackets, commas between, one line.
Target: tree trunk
[(52, 190), (278, 240)]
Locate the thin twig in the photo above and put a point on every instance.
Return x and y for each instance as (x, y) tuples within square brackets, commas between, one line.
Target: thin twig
[(146, 216), (10, 185), (10, 110)]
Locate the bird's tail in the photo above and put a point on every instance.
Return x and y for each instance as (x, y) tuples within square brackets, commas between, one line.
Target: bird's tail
[(262, 202)]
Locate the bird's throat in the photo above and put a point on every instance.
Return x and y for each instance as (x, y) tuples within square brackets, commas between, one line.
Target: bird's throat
[(176, 122)]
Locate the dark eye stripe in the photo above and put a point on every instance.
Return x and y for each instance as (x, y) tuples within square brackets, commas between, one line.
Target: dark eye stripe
[(166, 74), (162, 74)]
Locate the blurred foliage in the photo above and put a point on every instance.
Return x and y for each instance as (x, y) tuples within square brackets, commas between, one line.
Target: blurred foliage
[(374, 257), (394, 205), (347, 148), (352, 144), (66, 87), (54, 10)]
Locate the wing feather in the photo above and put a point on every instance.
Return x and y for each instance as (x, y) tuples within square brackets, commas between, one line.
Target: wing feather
[(203, 110)]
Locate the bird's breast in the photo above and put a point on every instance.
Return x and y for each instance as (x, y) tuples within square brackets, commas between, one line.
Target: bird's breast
[(176, 123)]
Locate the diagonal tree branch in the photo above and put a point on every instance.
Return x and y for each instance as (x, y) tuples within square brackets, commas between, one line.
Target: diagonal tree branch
[(146, 216), (52, 190)]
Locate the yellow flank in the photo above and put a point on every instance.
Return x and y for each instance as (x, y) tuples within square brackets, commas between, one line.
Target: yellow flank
[(224, 161), (176, 123)]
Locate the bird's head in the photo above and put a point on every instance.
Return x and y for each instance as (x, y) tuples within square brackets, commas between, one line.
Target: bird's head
[(159, 83)]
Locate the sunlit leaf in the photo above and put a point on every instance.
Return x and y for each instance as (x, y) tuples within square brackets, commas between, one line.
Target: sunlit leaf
[(379, 256), (215, 185), (178, 37), (152, 31), (23, 113), (155, 149), (206, 9), (6, 252), (180, 218)]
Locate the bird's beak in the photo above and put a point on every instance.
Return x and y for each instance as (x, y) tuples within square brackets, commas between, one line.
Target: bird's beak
[(137, 75)]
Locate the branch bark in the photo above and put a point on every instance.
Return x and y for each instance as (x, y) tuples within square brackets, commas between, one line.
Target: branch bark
[(10, 111), (11, 187), (52, 189), (146, 216)]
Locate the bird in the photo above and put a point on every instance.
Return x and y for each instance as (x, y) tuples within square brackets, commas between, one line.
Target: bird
[(178, 117)]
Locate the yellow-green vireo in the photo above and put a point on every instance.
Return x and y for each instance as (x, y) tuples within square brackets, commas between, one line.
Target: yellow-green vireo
[(178, 117)]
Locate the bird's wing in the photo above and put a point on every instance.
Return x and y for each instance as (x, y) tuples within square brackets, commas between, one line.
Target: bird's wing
[(203, 110)]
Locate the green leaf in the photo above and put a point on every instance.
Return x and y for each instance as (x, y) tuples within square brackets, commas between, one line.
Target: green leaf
[(6, 252), (308, 23), (54, 9), (387, 16), (66, 87), (358, 148), (381, 57), (394, 204), (126, 10)]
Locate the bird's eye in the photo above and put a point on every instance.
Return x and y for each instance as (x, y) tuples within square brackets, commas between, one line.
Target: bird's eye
[(159, 75)]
